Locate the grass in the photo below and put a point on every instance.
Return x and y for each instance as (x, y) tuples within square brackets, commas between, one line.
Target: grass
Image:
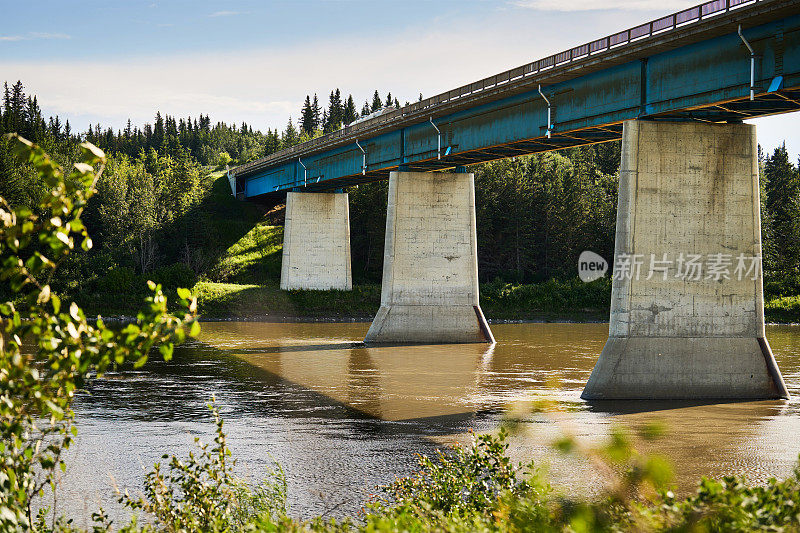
[(783, 309), (219, 300), (253, 259)]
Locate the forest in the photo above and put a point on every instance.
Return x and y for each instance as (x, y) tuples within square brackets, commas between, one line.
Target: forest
[(164, 212)]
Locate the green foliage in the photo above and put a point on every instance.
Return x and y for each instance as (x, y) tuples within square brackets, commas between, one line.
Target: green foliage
[(731, 504), (783, 309), (462, 481), (37, 382), (782, 215), (508, 300), (241, 300), (252, 259), (201, 493), (536, 214), (367, 230)]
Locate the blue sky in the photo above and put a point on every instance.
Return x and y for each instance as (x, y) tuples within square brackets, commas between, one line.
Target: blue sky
[(106, 61)]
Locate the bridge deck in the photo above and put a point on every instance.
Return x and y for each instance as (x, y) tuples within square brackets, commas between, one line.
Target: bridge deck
[(688, 65)]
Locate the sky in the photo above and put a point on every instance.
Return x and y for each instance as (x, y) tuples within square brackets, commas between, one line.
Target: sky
[(105, 61)]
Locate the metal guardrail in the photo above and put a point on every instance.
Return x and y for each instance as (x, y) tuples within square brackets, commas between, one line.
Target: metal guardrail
[(620, 39)]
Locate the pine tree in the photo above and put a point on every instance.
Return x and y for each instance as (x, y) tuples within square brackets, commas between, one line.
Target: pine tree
[(782, 187), (315, 109), (335, 112), (290, 135), (389, 100), (377, 104), (307, 117), (365, 109), (350, 113), (158, 132)]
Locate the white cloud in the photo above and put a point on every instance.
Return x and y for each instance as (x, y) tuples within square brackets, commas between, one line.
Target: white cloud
[(227, 13), (39, 35), (263, 87), (34, 36), (587, 5)]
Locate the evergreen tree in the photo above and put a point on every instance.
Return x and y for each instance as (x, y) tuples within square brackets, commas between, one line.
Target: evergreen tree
[(316, 112), (307, 117), (376, 102), (158, 132), (389, 100), (335, 112), (365, 109), (782, 187), (290, 135), (350, 113)]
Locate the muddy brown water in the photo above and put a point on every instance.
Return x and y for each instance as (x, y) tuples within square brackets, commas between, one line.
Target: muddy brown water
[(342, 418)]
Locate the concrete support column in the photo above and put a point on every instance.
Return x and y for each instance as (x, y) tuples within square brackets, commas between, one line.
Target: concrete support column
[(687, 311), (430, 262), (316, 242)]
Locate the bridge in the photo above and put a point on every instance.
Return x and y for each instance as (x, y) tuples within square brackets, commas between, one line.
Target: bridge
[(675, 90)]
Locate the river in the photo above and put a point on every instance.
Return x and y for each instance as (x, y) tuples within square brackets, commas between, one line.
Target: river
[(342, 418)]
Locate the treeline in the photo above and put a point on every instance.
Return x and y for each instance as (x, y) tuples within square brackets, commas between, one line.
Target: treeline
[(162, 214), (315, 121), (535, 214)]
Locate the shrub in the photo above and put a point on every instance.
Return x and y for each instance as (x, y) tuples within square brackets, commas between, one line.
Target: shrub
[(200, 493), (37, 385)]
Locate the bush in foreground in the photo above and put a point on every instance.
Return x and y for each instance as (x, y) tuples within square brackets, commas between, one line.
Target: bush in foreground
[(38, 380), (473, 488)]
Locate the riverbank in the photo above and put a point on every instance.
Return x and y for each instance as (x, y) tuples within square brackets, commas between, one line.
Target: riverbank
[(550, 301), (240, 274)]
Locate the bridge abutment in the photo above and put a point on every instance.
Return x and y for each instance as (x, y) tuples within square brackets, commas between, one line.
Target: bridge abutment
[(687, 313), (430, 267), (316, 242)]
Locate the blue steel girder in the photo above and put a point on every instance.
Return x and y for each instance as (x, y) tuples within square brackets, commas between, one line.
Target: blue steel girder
[(707, 80)]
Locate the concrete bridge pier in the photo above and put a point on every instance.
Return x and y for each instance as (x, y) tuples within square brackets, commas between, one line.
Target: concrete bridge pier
[(316, 242), (687, 313), (430, 265)]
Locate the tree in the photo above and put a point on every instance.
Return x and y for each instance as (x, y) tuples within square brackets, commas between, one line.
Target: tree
[(158, 132), (389, 100), (376, 102), (307, 117), (782, 187), (316, 110), (290, 135), (335, 112), (350, 113)]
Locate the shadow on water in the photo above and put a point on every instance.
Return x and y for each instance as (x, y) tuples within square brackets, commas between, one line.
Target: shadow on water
[(630, 407), (180, 390), (300, 348)]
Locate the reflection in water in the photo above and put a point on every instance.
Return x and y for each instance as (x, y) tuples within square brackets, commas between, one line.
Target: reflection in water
[(342, 417)]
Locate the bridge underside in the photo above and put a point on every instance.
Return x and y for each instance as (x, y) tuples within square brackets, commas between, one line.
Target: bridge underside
[(784, 101), (733, 111)]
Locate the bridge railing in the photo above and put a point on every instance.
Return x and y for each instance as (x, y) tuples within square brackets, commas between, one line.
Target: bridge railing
[(620, 39)]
